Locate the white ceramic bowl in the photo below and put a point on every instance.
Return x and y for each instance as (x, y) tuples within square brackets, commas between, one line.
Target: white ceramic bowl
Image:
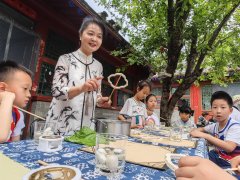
[(50, 143)]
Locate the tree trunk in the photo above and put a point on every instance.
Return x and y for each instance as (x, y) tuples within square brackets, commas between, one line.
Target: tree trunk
[(168, 104)]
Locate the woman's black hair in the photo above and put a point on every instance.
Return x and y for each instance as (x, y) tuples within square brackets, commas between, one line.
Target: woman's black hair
[(186, 109), (92, 20), (141, 84), (148, 97)]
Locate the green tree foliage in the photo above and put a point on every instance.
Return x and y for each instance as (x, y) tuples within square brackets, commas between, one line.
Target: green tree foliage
[(198, 39)]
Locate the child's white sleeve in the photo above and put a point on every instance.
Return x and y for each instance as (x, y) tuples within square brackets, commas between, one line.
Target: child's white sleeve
[(19, 126), (233, 134), (127, 108), (209, 128), (193, 124)]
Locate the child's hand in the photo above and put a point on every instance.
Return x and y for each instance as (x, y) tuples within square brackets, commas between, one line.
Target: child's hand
[(196, 168), (196, 133), (6, 95), (235, 163), (136, 127), (140, 126)]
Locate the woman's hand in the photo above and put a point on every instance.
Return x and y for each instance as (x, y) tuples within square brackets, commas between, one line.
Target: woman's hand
[(91, 85), (196, 168), (104, 101)]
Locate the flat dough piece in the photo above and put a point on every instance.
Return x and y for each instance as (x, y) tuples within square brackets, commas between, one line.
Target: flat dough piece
[(10, 169)]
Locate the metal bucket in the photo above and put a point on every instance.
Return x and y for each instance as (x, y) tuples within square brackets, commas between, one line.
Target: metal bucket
[(113, 126)]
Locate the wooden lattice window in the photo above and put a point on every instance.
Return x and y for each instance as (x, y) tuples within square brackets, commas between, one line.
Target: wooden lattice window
[(175, 88), (57, 45), (157, 91), (106, 90), (45, 80), (206, 97), (122, 97)]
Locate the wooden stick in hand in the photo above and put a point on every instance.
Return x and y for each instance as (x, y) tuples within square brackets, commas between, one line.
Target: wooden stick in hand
[(114, 88), (29, 113), (233, 169)]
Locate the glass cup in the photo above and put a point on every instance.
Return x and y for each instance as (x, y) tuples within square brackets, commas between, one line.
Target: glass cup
[(42, 128), (110, 154), (163, 124), (175, 134), (38, 130), (149, 127)]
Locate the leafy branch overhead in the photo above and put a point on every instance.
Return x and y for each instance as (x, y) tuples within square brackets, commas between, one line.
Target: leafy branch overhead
[(187, 28), (196, 39)]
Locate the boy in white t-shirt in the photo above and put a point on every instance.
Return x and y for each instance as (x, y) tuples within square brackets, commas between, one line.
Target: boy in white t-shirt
[(224, 134), (15, 86)]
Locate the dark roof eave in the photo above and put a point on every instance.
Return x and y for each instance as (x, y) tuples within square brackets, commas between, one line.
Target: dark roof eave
[(88, 10)]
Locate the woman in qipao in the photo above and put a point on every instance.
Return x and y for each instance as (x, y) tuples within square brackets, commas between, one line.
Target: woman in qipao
[(76, 86)]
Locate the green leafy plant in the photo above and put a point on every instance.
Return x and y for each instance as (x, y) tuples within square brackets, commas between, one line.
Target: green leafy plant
[(85, 136)]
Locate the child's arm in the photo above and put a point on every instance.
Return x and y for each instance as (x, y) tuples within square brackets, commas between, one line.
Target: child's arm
[(195, 168), (125, 111), (201, 129), (16, 138), (16, 134), (121, 117), (6, 100), (227, 146)]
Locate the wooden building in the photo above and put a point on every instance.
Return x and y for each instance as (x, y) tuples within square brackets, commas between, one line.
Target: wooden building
[(36, 32), (198, 97)]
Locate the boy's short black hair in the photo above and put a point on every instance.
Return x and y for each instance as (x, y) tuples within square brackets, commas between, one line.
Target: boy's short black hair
[(7, 68), (186, 109), (222, 95)]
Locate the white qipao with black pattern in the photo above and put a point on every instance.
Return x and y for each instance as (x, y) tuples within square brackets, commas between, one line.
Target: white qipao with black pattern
[(70, 115)]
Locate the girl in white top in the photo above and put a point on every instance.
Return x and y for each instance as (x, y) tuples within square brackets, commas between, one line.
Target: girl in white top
[(76, 86), (151, 103), (135, 108), (185, 121)]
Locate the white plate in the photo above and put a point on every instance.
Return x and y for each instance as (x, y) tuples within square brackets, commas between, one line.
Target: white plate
[(77, 177)]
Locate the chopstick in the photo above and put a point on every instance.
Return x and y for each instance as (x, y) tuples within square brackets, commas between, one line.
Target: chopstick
[(114, 88), (153, 162), (42, 163), (29, 113), (232, 169)]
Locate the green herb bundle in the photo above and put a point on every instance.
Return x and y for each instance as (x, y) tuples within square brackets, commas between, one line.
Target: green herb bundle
[(84, 136)]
